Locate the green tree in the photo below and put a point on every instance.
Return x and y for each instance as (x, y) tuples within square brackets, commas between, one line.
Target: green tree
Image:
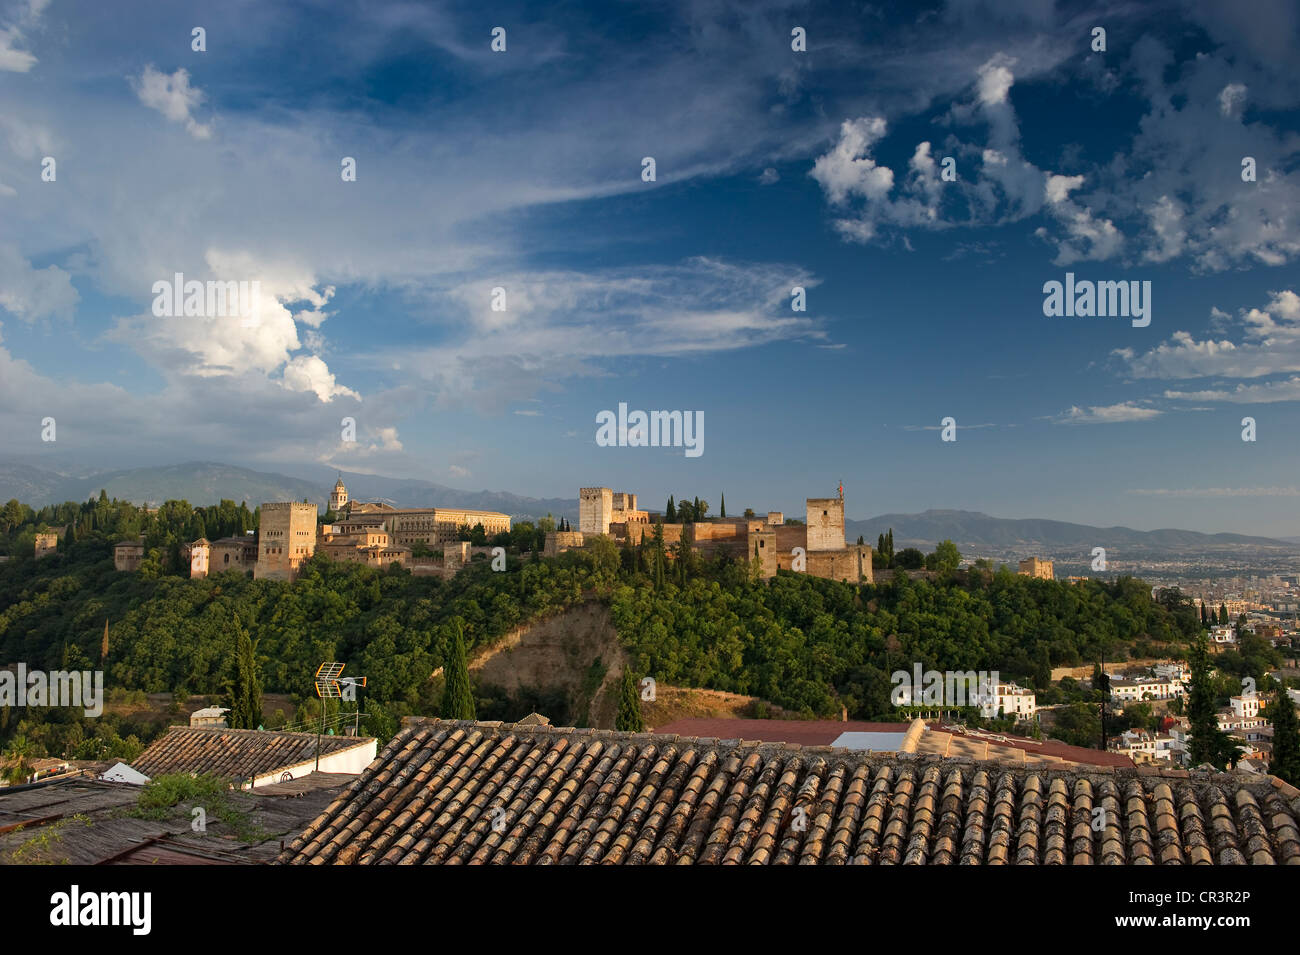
[(457, 697), (17, 759), (1285, 762), (670, 511), (1223, 615), (945, 558), (1207, 743), (246, 687), (723, 507), (629, 705)]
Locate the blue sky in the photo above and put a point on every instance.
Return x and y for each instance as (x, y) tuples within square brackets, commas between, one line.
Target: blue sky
[(774, 168)]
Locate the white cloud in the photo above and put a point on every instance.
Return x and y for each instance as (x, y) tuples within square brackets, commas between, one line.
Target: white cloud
[(172, 96), (1124, 411), (1217, 492), (1263, 393), (848, 169), (572, 324), (12, 59), (31, 294), (309, 373), (1269, 345), (1231, 99), (995, 80)]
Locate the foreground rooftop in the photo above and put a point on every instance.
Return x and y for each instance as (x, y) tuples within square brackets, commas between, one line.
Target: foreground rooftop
[(468, 792)]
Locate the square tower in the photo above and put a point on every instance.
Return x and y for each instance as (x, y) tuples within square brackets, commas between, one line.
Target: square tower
[(286, 538), (825, 523), (595, 509)]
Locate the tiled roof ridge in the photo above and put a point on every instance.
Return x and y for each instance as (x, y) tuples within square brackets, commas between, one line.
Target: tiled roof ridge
[(726, 745)]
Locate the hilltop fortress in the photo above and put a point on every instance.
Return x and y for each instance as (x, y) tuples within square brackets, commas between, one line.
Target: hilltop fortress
[(816, 547), (376, 534)]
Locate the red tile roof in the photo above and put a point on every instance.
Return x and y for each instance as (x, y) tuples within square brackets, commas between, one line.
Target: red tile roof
[(464, 792), (235, 754)]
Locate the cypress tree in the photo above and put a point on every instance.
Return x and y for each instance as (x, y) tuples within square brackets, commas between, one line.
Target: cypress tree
[(723, 506), (629, 705), (1223, 615), (1207, 743), (670, 512), (457, 698), (246, 687), (1285, 762)]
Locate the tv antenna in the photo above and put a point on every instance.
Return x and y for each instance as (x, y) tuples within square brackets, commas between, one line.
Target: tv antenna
[(329, 686)]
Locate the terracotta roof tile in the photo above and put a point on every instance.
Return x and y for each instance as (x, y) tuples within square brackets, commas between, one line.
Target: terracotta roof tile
[(463, 792), (234, 753)]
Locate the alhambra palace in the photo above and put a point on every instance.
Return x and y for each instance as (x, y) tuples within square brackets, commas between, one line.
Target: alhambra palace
[(378, 534), (816, 547)]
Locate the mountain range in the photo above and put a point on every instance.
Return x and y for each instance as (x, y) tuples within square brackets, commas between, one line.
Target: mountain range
[(204, 483), (975, 534)]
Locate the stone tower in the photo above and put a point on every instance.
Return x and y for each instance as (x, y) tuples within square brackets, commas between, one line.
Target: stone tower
[(595, 509), (286, 538), (825, 523), (339, 496)]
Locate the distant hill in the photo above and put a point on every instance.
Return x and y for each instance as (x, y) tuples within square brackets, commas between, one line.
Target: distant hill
[(976, 533), (204, 482)]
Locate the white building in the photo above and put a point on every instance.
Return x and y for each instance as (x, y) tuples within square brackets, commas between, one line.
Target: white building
[(1173, 671), (1137, 745), (1223, 635), (1012, 700), (1135, 687), (1246, 706)]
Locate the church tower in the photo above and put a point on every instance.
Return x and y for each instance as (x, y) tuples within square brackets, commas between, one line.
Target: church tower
[(339, 496)]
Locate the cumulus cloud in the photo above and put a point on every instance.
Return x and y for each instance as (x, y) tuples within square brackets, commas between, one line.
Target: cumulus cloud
[(848, 169), (1269, 344), (172, 96), (1000, 186)]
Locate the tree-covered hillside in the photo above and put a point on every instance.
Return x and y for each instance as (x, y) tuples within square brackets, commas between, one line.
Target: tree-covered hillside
[(806, 644)]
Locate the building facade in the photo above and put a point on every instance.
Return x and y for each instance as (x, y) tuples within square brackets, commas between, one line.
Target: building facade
[(1037, 567), (286, 539)]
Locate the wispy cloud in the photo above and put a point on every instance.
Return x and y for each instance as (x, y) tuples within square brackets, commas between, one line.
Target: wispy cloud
[(1217, 492), (1124, 411)]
